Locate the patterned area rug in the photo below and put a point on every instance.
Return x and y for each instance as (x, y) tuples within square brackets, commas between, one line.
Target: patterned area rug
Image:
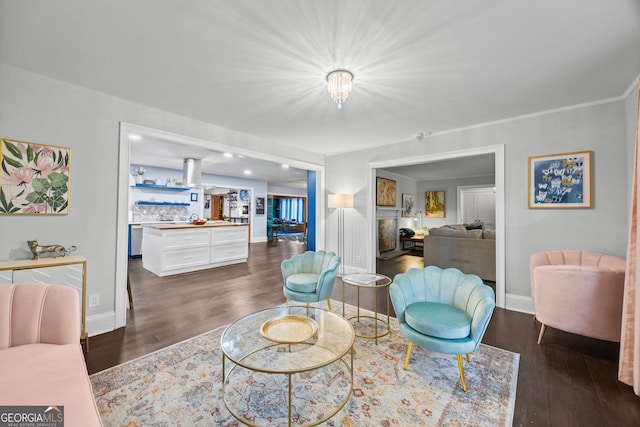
[(181, 386)]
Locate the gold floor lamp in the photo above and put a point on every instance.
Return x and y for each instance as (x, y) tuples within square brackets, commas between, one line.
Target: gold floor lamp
[(340, 202)]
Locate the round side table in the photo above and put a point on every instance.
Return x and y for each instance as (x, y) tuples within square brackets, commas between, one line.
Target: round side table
[(370, 281)]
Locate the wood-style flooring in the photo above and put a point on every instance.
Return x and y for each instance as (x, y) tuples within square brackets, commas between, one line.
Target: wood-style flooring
[(569, 380)]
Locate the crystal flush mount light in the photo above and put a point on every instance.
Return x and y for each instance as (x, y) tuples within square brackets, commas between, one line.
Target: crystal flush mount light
[(339, 82)]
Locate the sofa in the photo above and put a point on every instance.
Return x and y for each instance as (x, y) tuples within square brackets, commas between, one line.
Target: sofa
[(472, 251), (41, 359)]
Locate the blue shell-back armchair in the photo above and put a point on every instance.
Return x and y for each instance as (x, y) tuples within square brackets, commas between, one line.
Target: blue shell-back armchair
[(442, 310), (309, 277)]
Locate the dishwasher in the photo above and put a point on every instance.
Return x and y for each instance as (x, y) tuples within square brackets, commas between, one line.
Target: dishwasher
[(135, 240)]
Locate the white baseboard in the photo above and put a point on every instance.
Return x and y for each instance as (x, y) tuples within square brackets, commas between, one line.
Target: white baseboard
[(100, 323), (520, 303), (259, 239)]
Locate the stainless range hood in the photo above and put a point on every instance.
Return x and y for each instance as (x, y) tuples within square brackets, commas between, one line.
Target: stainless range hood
[(192, 172)]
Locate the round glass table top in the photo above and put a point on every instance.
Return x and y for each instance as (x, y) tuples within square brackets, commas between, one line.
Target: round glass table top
[(368, 280), (287, 339)]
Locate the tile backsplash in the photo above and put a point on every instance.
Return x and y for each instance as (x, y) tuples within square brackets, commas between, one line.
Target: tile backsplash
[(150, 213)]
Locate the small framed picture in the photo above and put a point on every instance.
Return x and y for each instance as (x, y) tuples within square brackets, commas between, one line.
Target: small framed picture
[(434, 204), (259, 205), (385, 192), (194, 197), (560, 180), (408, 205)]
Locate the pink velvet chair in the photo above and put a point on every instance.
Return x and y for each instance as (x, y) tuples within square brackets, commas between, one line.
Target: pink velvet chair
[(578, 292), (41, 359)]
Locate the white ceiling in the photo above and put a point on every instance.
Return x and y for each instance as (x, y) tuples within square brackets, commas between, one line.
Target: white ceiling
[(259, 67), (164, 153)]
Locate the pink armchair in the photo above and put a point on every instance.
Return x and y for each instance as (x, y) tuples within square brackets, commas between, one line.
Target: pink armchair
[(578, 292), (41, 359)]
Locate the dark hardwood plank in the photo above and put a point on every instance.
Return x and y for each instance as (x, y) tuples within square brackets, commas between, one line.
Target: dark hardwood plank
[(568, 380)]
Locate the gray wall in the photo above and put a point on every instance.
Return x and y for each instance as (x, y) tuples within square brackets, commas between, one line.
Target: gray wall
[(601, 128), (450, 187), (34, 108)]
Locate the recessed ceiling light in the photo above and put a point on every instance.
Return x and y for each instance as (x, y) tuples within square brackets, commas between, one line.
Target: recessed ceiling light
[(285, 166), (240, 156), (228, 155), (134, 137), (247, 172)]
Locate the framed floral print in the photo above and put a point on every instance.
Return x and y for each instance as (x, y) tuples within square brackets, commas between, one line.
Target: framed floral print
[(34, 178)]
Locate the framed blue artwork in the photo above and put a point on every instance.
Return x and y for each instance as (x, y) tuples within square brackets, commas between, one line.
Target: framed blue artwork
[(560, 180)]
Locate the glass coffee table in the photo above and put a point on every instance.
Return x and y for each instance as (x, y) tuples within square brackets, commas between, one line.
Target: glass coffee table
[(284, 365), (370, 281)]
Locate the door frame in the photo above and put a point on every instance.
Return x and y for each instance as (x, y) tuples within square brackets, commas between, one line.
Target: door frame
[(122, 222)]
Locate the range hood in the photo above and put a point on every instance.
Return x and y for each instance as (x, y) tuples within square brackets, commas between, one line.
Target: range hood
[(192, 172)]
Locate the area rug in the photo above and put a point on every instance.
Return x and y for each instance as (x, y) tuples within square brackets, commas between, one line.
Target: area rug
[(181, 386)]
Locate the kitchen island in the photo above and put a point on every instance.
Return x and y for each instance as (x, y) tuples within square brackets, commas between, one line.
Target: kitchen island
[(174, 248)]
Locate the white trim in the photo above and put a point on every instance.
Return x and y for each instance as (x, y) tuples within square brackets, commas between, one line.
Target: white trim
[(259, 239), (622, 97), (630, 89), (120, 318), (499, 182), (100, 323), (520, 303), (528, 116)]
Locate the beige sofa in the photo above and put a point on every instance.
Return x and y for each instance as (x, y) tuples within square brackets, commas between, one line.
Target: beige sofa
[(41, 359), (470, 251)]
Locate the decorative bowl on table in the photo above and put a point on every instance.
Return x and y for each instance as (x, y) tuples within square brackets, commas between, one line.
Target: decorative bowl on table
[(199, 221), (289, 329)]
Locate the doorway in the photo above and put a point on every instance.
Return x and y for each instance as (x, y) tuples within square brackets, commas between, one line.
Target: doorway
[(498, 152), (122, 232)]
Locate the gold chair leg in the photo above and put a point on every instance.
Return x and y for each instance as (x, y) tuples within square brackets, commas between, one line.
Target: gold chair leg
[(406, 360), (461, 368), (286, 302), (468, 358), (542, 329), (329, 304)]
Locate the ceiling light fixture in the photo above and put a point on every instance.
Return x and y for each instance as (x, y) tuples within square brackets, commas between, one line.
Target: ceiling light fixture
[(285, 166), (247, 172), (228, 155), (339, 85), (134, 137)]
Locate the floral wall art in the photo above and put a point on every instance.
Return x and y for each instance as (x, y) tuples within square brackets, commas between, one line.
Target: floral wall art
[(34, 178)]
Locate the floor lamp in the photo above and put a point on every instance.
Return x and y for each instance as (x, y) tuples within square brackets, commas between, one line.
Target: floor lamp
[(340, 202)]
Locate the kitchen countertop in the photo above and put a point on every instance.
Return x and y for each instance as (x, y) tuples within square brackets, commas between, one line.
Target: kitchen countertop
[(182, 225)]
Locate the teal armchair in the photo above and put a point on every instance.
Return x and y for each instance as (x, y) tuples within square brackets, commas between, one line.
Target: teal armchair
[(309, 277), (445, 311)]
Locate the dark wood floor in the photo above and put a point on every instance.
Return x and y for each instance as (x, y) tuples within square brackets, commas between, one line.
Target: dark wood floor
[(569, 380)]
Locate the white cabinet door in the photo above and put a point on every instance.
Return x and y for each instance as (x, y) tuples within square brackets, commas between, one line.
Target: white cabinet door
[(478, 205), (486, 208)]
